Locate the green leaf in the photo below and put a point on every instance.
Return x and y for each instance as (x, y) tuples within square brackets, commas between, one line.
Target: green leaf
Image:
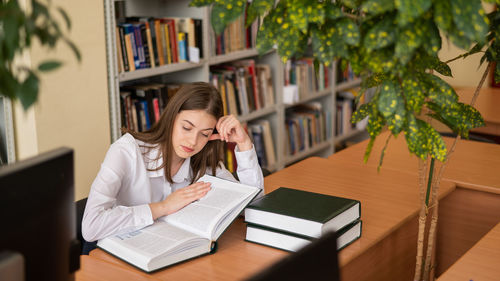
[(302, 13), (459, 39), (470, 19), (373, 80), (409, 10), (353, 4), (415, 139), (382, 154), (407, 41), (380, 61), (432, 39), (460, 117), (49, 65), (332, 11), (368, 151), (377, 7), (381, 35), (348, 29), (65, 17), (375, 124), (9, 84), (200, 3), (75, 49), (360, 113), (222, 14), (423, 139), (442, 14), (435, 143), (258, 8), (28, 91), (442, 68), (414, 91), (392, 106), (10, 27), (328, 43), (440, 92), (388, 99)]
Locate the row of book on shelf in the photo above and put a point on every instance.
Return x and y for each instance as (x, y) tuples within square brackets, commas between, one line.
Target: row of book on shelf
[(289, 219), (148, 42), (236, 36), (245, 86), (307, 125), (303, 79)]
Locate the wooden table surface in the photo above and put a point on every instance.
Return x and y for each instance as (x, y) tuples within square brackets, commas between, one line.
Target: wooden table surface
[(480, 263), (473, 164), (388, 201)]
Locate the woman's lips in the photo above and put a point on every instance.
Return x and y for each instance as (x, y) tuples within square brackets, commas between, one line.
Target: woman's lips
[(187, 149)]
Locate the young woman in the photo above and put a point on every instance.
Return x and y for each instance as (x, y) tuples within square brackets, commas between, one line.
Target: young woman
[(152, 174)]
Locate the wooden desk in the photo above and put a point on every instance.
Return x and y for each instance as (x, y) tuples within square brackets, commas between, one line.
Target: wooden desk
[(487, 103), (467, 214), (480, 263), (385, 251), (473, 164)]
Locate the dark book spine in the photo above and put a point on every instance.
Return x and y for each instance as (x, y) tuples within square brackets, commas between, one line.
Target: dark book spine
[(139, 46), (124, 48), (198, 29), (154, 48), (145, 46)]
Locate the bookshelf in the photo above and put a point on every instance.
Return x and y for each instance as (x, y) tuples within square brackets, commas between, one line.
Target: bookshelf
[(184, 72)]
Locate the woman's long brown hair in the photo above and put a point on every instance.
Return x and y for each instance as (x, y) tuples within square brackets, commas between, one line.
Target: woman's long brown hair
[(194, 96)]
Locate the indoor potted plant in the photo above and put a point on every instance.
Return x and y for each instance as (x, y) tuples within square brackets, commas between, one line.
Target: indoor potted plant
[(393, 45), (19, 27)]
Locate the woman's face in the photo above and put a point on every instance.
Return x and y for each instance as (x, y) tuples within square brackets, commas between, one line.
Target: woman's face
[(192, 129)]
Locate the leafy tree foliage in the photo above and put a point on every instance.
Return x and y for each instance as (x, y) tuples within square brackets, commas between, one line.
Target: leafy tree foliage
[(392, 45)]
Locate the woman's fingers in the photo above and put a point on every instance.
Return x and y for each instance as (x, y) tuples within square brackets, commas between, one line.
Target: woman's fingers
[(227, 125)]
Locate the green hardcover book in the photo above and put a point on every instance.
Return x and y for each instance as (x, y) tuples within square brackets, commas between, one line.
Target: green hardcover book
[(302, 212), (293, 242)]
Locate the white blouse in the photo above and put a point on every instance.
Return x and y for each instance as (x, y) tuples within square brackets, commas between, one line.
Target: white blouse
[(120, 195)]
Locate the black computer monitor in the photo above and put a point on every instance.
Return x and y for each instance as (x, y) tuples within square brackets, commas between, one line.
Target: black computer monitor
[(37, 216), (317, 261)]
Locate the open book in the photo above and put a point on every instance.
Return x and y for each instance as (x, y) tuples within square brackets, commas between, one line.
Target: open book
[(190, 232)]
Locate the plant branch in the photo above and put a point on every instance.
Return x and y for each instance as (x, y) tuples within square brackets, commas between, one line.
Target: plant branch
[(437, 182), (429, 182)]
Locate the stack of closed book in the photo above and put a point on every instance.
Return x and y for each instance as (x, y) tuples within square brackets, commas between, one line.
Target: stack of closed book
[(289, 219)]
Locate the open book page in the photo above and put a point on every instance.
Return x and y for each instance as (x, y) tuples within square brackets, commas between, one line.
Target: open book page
[(203, 216), (141, 246)]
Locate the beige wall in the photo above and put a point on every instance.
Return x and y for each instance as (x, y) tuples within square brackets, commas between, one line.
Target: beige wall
[(466, 72), (72, 109)]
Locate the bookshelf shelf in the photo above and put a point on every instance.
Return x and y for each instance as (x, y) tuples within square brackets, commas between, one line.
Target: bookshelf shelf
[(160, 70), (347, 85), (317, 95), (276, 114), (303, 154), (233, 56), (257, 114)]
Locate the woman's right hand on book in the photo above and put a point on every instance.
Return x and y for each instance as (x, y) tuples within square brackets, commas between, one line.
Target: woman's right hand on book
[(179, 199)]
